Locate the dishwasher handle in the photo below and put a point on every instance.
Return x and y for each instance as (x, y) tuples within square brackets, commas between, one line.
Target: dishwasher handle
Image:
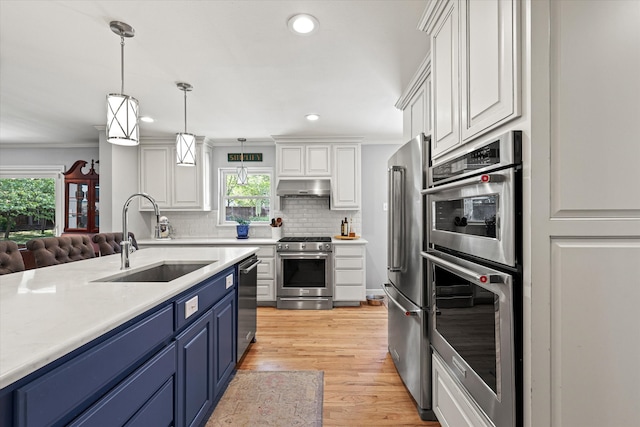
[(246, 269)]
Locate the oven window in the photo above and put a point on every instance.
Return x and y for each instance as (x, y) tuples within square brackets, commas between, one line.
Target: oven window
[(468, 215), (467, 317), (303, 273)]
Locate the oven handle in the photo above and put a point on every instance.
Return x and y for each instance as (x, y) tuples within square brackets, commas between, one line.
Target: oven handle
[(485, 178), (304, 255), (406, 312), (479, 277)]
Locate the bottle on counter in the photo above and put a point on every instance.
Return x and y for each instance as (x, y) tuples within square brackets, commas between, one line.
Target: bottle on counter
[(342, 228)]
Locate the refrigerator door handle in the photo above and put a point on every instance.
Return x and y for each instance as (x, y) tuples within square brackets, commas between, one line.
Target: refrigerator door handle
[(395, 255), (406, 312)]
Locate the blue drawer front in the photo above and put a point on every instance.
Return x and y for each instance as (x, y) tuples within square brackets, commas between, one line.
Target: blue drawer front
[(208, 294), (158, 412), (46, 400), (129, 397)]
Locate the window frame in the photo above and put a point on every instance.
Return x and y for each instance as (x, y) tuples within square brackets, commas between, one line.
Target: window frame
[(222, 187), (55, 172)]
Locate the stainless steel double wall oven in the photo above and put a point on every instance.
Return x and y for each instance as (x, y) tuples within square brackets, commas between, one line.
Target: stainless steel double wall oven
[(474, 273), (304, 268)]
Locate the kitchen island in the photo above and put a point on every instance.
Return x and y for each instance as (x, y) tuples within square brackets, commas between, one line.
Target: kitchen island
[(54, 319)]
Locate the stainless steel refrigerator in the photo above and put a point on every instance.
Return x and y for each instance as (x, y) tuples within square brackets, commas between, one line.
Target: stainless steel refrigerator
[(408, 334)]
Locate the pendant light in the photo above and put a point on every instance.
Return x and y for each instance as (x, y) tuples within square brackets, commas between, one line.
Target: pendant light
[(242, 170), (185, 142), (122, 110)]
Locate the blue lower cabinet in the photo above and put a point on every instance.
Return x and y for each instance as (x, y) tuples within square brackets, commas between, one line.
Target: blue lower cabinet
[(195, 371), (224, 318), (63, 393), (132, 396), (163, 369)]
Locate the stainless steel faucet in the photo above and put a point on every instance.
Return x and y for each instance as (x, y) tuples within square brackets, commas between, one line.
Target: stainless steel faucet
[(125, 245)]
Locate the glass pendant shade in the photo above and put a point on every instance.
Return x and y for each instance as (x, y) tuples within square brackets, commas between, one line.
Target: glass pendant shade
[(242, 171), (242, 175), (122, 119), (186, 149), (122, 110)]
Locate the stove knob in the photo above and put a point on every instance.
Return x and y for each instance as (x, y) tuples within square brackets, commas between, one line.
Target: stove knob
[(286, 246), (302, 246)]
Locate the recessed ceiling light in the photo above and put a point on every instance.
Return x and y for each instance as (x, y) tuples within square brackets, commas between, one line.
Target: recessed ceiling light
[(147, 119), (303, 24), (312, 117)]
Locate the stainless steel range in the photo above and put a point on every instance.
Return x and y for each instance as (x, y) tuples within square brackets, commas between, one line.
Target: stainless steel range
[(304, 273)]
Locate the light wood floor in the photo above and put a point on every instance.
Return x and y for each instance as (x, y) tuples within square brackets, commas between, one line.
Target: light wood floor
[(361, 385)]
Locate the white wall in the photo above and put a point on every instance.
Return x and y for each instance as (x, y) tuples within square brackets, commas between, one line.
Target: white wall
[(374, 218), (18, 156)]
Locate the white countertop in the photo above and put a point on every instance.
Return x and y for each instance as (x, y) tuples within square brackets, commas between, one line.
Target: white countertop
[(229, 241), (48, 312)]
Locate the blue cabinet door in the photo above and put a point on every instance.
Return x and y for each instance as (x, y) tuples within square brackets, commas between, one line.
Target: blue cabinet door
[(224, 321), (195, 372)]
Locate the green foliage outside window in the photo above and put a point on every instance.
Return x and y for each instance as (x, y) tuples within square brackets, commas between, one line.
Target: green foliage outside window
[(249, 202), (26, 197)]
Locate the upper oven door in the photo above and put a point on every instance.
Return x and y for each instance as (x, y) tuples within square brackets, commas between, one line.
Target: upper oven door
[(475, 216)]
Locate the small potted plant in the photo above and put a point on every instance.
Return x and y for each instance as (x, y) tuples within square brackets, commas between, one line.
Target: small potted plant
[(242, 229)]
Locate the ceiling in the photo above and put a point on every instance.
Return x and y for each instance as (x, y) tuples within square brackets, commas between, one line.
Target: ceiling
[(251, 76)]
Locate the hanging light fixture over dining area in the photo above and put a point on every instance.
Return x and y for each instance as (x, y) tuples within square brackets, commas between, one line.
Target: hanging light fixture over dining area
[(122, 110), (185, 142), (242, 170)]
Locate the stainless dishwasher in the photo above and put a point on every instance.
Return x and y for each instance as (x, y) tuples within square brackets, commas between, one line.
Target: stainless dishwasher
[(247, 290)]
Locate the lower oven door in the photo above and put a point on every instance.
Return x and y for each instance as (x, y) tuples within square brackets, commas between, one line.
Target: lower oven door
[(473, 330), (304, 274)]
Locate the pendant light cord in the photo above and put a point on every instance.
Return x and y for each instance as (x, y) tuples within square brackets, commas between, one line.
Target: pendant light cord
[(185, 111), (122, 64)]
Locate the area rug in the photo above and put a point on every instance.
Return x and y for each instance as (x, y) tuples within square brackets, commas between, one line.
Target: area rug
[(271, 398)]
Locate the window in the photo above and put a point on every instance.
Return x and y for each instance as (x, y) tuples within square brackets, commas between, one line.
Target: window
[(51, 178), (249, 202)]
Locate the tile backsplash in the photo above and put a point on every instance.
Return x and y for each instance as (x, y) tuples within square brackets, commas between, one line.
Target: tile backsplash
[(301, 217), (312, 217)]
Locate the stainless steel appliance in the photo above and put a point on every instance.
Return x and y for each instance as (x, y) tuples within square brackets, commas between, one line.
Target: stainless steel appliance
[(304, 269), (408, 313), (247, 304), (474, 273)]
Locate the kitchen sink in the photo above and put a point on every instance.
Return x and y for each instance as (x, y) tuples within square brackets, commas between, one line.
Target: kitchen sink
[(165, 272)]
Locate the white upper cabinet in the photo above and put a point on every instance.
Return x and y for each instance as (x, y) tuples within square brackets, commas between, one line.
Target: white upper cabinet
[(175, 187), (475, 68), (489, 66), (336, 158), (415, 103), (444, 53), (303, 160), (345, 182), (318, 160)]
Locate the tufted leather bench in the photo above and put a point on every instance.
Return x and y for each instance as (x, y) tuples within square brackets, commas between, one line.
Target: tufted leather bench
[(60, 250), (10, 258), (109, 243)]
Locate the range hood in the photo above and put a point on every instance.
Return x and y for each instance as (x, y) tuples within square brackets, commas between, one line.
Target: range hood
[(304, 187)]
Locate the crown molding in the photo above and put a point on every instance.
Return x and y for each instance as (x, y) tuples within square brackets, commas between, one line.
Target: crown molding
[(305, 139), (414, 85)]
